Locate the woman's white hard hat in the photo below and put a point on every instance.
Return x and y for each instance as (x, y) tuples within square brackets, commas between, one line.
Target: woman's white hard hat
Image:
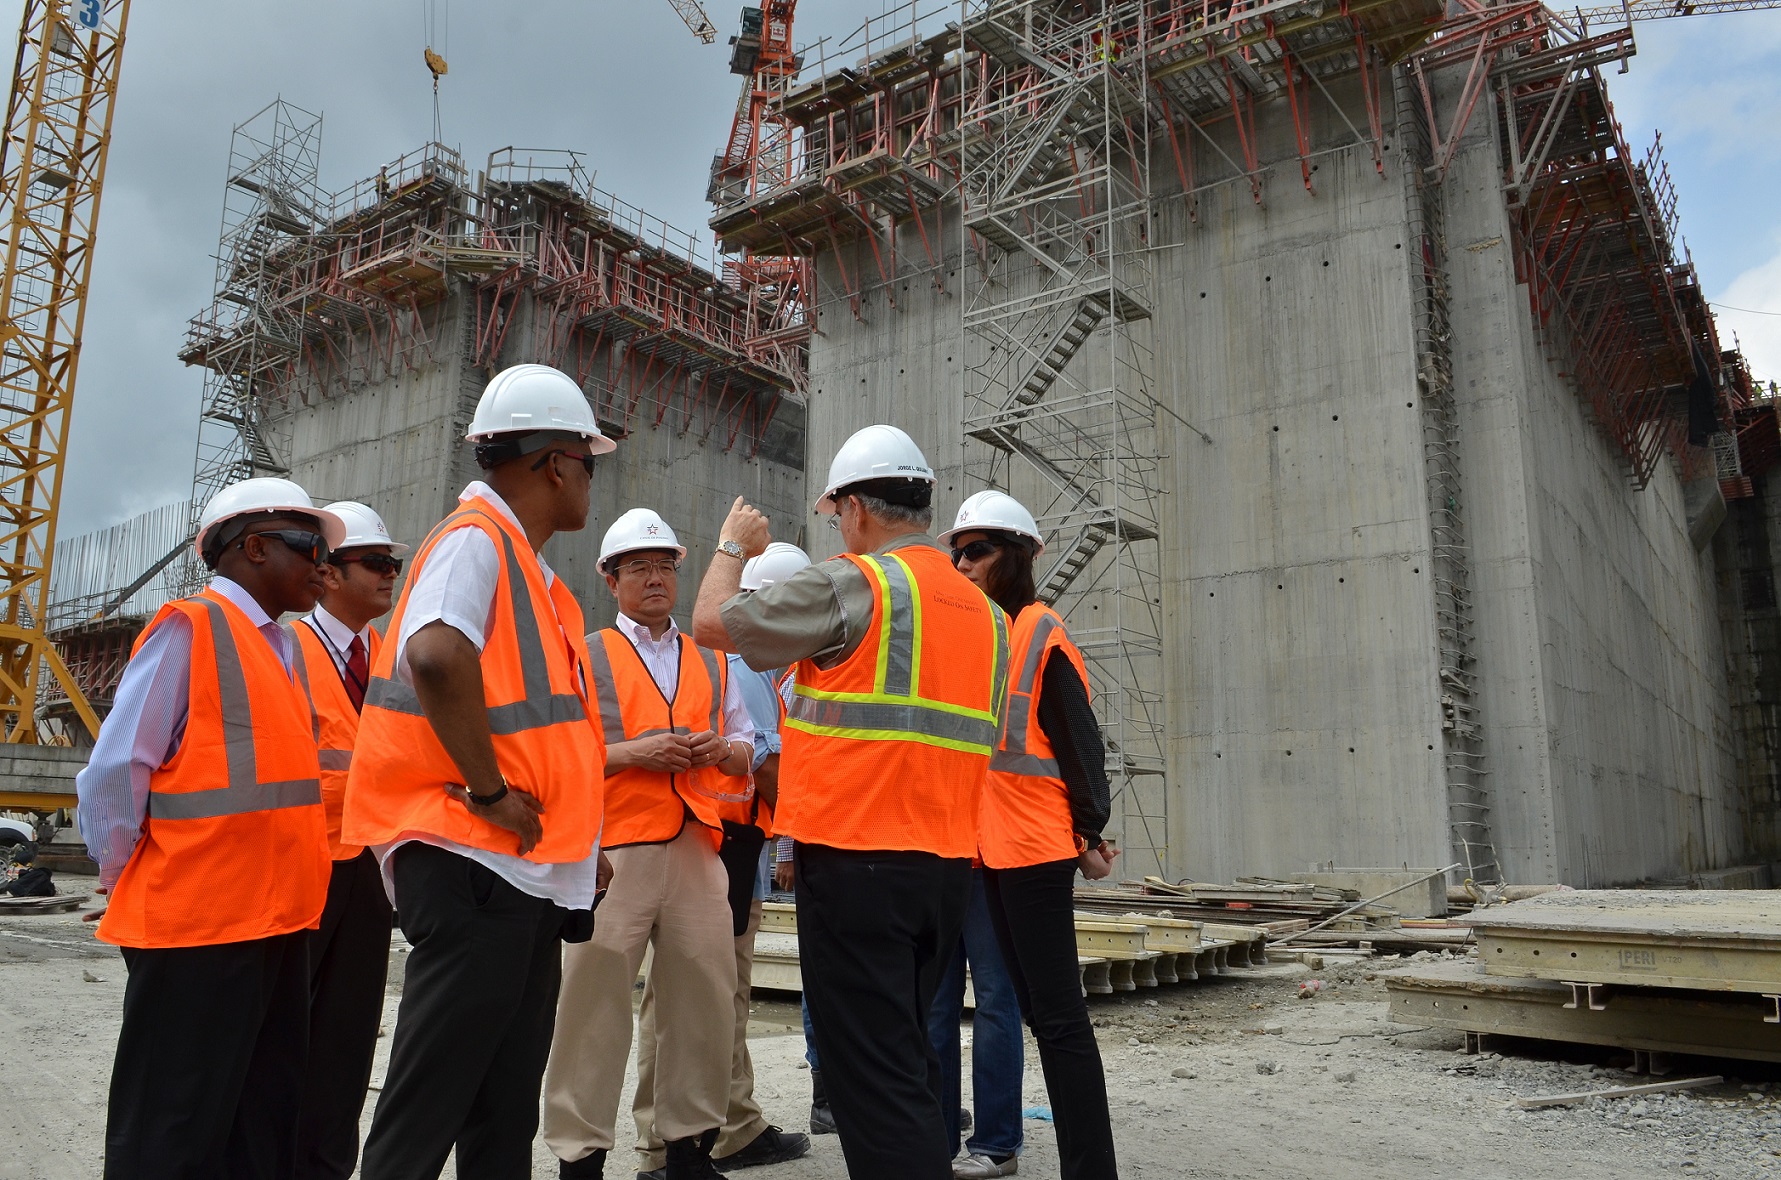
[(780, 561), (995, 512), (876, 452)]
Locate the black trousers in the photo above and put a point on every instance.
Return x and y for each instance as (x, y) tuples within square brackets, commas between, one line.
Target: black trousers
[(349, 958), (1032, 910), (210, 1062), (875, 932), (479, 1002)]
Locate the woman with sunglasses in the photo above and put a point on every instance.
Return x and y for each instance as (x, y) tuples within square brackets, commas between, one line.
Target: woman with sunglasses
[(1039, 822)]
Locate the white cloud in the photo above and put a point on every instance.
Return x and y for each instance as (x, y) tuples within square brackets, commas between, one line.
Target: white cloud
[(1757, 327)]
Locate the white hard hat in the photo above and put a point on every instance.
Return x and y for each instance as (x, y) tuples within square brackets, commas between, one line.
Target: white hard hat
[(265, 495), (523, 399), (780, 561), (993, 511), (636, 530), (363, 527), (877, 452)]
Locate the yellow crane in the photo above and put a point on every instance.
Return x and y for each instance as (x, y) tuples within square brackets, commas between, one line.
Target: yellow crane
[(52, 170)]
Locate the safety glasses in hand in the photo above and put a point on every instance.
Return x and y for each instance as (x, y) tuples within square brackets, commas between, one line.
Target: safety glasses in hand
[(314, 546), (976, 550), (377, 563)]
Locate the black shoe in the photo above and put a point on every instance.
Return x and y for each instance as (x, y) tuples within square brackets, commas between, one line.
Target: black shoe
[(589, 1167), (690, 1159), (772, 1146), (964, 1122), (657, 1174), (822, 1119)]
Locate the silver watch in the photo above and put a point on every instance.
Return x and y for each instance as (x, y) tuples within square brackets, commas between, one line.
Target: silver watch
[(733, 548)]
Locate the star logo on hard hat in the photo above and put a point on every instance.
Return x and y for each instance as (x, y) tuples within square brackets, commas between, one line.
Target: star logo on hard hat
[(652, 530)]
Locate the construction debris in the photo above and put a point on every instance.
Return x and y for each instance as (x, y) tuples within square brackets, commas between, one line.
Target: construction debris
[(1617, 1092)]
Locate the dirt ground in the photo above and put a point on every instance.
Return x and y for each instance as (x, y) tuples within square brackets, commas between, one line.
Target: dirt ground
[(1233, 1077)]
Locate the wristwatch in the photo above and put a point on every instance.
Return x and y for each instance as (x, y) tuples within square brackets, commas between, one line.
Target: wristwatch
[(733, 548), (490, 799)]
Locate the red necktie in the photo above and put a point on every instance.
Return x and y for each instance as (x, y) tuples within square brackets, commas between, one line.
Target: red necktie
[(358, 673)]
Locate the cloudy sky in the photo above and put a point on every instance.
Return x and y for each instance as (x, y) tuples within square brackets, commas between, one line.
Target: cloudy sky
[(623, 81)]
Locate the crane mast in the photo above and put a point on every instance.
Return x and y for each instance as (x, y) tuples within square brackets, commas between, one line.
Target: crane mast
[(58, 130)]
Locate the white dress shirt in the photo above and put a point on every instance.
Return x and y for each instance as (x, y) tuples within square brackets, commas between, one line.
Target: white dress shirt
[(456, 585), (662, 658), (337, 637), (146, 724)]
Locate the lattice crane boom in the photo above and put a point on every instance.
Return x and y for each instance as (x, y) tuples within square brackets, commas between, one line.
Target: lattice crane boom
[(693, 13), (1656, 9), (58, 131)]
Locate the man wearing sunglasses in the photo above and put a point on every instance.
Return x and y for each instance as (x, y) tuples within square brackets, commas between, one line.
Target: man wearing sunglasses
[(202, 805), (349, 955), (901, 669), (477, 779)]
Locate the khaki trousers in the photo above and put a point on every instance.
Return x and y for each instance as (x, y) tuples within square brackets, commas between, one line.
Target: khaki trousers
[(743, 1123), (672, 897)]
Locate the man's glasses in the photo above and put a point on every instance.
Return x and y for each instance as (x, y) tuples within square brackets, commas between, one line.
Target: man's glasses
[(587, 461), (377, 563), (314, 546), (976, 551), (643, 567)]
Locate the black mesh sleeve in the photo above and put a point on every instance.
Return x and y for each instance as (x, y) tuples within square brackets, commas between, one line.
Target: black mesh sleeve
[(1070, 726)]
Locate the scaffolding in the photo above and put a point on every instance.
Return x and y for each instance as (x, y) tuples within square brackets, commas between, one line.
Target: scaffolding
[(321, 294), (247, 340)]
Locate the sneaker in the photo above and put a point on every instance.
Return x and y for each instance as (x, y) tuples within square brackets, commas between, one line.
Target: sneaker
[(977, 1167), (772, 1146)]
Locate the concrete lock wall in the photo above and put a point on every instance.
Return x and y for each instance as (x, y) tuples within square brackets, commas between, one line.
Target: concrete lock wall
[(398, 446), (1302, 678)]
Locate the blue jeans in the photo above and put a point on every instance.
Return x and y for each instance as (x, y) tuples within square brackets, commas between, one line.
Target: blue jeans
[(996, 1047), (809, 1038)]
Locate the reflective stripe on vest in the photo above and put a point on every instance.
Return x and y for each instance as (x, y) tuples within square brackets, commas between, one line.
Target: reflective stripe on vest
[(539, 708), (330, 759), (245, 792), (891, 711), (605, 685), (1013, 757)]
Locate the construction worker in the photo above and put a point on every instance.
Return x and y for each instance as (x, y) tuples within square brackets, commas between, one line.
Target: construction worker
[(349, 955), (900, 670), (746, 1139), (477, 779), (679, 744), (202, 804), (1039, 824)]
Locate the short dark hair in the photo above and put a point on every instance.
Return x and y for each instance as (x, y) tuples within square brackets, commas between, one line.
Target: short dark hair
[(230, 531), (1011, 585)]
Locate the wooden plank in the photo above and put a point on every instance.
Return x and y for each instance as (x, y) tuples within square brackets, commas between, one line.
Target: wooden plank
[(1461, 996), (1546, 1100)]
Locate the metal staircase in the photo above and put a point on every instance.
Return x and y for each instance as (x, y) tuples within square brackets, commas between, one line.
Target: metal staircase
[(1058, 363)]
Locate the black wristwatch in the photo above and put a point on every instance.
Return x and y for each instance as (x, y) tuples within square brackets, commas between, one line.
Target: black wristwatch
[(488, 800)]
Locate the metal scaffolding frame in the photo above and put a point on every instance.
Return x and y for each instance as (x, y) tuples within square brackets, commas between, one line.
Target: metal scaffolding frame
[(248, 340), (1059, 367)]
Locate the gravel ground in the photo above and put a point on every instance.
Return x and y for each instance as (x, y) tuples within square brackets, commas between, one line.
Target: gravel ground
[(1234, 1077)]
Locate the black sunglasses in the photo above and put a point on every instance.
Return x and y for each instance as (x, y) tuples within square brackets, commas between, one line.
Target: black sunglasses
[(314, 546), (587, 461), (377, 563), (976, 550)]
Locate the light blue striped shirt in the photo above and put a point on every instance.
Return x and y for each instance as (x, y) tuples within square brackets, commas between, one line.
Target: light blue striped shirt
[(144, 728)]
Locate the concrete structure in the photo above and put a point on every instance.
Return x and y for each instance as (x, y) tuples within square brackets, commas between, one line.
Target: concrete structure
[(1436, 566)]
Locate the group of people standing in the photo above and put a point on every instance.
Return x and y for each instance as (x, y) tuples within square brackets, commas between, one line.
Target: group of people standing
[(541, 807)]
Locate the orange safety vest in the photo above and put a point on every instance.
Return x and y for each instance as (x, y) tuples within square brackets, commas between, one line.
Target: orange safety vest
[(647, 806), (888, 749), (235, 846), (1024, 818), (336, 721), (532, 664)]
